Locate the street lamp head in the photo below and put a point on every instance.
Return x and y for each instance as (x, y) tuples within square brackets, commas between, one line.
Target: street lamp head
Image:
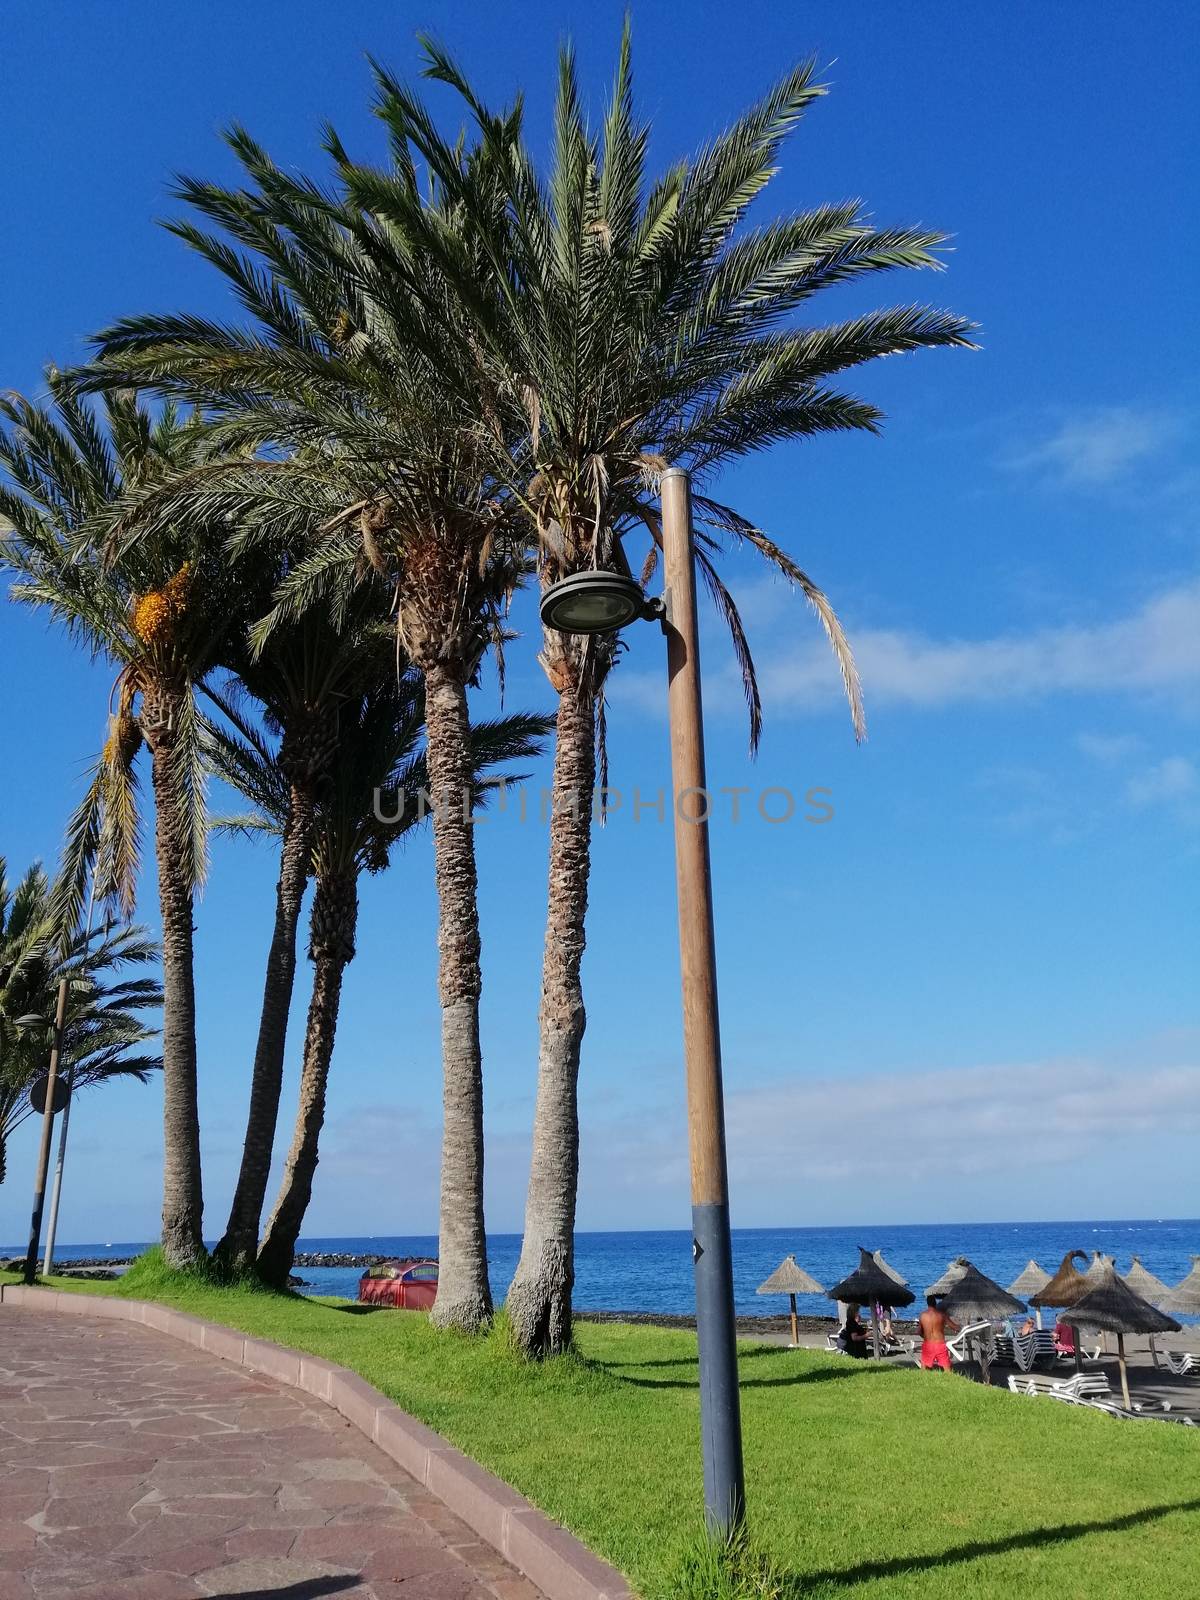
[(593, 602)]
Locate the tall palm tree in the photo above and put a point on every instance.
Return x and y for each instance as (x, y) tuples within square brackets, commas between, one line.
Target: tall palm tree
[(160, 613), (103, 1033), (301, 681), (371, 802), (644, 325), (377, 424)]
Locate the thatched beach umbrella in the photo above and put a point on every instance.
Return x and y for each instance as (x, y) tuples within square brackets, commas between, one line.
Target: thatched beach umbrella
[(1064, 1289), (872, 1283), (950, 1277), (1145, 1283), (1030, 1281), (974, 1297), (1095, 1275), (1149, 1287), (1114, 1307), (1185, 1296), (1095, 1271), (896, 1277), (1067, 1284), (791, 1280)]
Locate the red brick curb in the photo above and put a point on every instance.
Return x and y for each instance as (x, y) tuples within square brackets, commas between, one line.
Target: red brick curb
[(550, 1557)]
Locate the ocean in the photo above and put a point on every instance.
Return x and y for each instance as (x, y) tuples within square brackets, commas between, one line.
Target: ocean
[(652, 1272)]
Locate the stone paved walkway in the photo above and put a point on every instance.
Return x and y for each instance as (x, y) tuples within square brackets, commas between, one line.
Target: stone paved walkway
[(133, 1467)]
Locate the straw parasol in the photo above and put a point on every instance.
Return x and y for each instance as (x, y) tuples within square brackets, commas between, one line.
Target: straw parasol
[(791, 1280), (1031, 1281), (1095, 1271), (1145, 1283), (1116, 1308), (1067, 1284), (1064, 1289), (872, 1283), (1150, 1288), (950, 1277), (1094, 1275), (896, 1277), (974, 1297), (1185, 1296)]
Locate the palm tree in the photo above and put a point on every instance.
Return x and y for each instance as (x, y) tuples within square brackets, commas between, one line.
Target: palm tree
[(376, 425), (102, 1034), (371, 801), (644, 325), (301, 680), (160, 612)]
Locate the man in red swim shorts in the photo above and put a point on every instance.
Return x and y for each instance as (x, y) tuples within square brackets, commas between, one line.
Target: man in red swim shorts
[(933, 1323)]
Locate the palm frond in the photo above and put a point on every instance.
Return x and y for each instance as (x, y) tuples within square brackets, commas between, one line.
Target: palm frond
[(731, 521)]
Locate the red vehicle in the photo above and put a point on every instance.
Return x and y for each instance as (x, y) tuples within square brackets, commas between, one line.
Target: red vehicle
[(407, 1285)]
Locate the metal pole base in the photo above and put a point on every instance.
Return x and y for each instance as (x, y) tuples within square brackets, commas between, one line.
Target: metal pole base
[(716, 1335)]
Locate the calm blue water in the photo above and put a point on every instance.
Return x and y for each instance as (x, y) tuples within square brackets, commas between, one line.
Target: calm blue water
[(653, 1271)]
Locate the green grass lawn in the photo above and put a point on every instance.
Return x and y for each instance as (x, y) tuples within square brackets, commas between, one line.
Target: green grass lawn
[(862, 1480)]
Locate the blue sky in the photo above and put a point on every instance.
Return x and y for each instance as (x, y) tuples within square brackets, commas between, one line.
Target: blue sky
[(972, 993)]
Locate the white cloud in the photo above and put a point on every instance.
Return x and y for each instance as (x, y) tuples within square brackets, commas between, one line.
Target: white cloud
[(1155, 648), (980, 1119), (1109, 749), (979, 1141), (1100, 445), (1173, 779)]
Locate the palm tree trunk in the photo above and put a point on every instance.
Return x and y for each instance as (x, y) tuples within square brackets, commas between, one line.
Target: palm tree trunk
[(183, 1197), (238, 1249), (539, 1300), (334, 920), (464, 1298)]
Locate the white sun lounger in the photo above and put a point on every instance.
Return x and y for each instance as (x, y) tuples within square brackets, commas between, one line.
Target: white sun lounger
[(1086, 1389), (1028, 1348), (960, 1346)]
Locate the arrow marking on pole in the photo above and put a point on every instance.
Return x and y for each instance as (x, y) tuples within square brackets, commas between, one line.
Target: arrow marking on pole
[(697, 1251)]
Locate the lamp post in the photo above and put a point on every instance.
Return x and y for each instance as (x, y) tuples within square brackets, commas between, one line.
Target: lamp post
[(39, 1188), (56, 1187), (602, 602)]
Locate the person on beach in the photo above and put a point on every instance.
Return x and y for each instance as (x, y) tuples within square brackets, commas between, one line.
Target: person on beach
[(853, 1336), (933, 1323)]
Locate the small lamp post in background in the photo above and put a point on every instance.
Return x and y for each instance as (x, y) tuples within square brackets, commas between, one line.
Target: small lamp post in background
[(39, 1188), (56, 1188), (602, 602), (69, 1087)]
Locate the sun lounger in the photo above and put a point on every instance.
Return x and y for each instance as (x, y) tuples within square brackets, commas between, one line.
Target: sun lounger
[(1085, 1385), (1065, 1338), (1085, 1388), (1096, 1353), (1181, 1362), (1002, 1350), (899, 1344), (963, 1345), (1029, 1348), (1148, 1411)]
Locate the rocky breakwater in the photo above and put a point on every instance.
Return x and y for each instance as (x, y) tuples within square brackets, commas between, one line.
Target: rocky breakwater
[(337, 1258)]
